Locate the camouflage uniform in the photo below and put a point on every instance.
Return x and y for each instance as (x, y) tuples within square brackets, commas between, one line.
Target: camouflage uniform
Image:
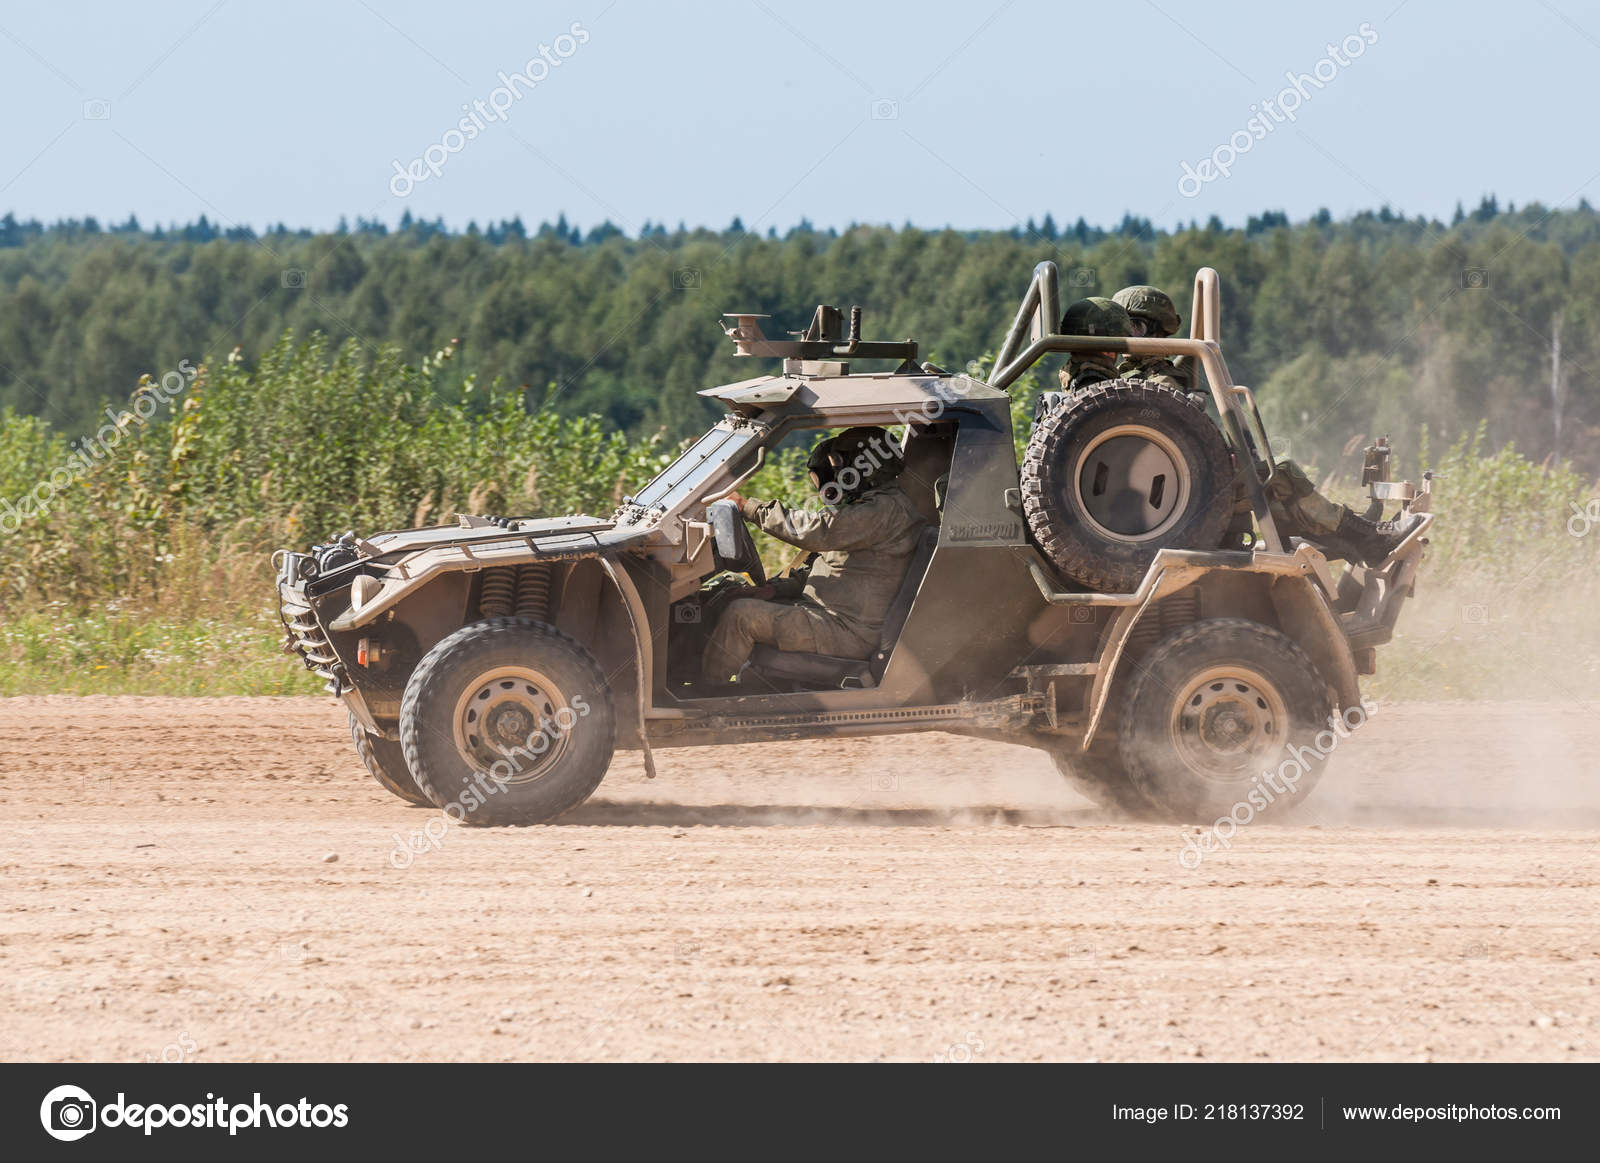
[(1158, 369), (1161, 319), (1083, 370), (1093, 316), (862, 549), (1296, 506)]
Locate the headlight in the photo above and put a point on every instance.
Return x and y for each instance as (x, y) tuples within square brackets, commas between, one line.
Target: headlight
[(363, 590)]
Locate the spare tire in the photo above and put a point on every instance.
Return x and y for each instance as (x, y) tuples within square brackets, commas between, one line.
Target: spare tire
[(1118, 471)]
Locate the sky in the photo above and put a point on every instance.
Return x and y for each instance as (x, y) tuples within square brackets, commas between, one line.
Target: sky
[(980, 114)]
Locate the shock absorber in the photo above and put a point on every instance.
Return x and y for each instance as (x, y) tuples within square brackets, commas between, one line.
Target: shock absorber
[(533, 591), (499, 592)]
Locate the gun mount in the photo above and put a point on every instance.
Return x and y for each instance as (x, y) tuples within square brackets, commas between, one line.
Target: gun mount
[(823, 339)]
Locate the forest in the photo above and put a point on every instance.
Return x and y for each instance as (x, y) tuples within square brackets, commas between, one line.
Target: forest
[(1346, 328), (178, 403)]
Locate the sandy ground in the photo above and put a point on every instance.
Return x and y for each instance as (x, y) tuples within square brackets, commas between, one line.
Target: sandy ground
[(213, 879)]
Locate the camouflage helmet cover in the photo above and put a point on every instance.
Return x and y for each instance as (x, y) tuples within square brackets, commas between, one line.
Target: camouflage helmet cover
[(1096, 316), (1150, 303)]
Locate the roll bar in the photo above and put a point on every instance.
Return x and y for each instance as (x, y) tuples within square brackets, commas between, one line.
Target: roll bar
[(1039, 317)]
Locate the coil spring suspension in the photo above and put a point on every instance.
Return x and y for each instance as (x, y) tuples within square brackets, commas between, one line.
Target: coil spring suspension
[(498, 595), (533, 591)]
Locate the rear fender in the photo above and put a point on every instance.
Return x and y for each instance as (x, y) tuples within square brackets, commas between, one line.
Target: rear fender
[(1275, 589)]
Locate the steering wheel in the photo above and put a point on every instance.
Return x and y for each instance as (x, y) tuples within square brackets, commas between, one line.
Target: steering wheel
[(732, 547)]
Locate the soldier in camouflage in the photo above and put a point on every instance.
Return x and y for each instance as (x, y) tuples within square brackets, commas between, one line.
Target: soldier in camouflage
[(1154, 317), (861, 540), (1297, 508), (1093, 316)]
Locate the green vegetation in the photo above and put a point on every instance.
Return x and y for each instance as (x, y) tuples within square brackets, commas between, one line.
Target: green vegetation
[(141, 563), (1506, 601), (148, 568), (1347, 328)]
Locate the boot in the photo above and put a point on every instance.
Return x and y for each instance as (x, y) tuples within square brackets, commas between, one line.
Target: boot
[(1368, 542)]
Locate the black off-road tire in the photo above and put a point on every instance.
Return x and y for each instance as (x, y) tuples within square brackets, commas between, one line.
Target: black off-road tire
[(1216, 716), (1066, 490), (508, 721), (385, 761), (1100, 778)]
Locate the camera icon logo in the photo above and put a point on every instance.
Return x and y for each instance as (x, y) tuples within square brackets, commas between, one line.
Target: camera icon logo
[(96, 109), (1474, 279), (686, 614), (68, 1113), (686, 279), (884, 109), (1082, 615), (1476, 614), (294, 279), (1082, 277)]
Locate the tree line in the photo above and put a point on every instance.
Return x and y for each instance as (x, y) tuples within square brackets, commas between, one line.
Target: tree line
[(1347, 328)]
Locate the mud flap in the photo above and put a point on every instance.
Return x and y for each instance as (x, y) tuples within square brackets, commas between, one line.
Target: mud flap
[(1304, 615), (641, 681)]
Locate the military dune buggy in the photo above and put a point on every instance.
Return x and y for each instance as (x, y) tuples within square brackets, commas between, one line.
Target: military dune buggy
[(1077, 603)]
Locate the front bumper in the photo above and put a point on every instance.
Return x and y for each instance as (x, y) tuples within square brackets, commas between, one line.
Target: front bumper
[(303, 634)]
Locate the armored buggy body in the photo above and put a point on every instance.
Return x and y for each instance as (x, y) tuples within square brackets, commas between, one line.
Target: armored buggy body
[(492, 667)]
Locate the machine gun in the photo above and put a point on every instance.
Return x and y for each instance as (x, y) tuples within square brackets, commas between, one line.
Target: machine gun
[(822, 345)]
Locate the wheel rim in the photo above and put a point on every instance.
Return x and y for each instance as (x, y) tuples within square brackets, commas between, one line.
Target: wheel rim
[(1229, 724), (511, 717), (1132, 483)]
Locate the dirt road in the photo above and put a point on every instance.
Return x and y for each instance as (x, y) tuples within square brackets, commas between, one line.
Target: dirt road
[(218, 879)]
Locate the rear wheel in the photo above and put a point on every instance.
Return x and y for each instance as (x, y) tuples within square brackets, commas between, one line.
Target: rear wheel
[(508, 721), (1224, 715), (1101, 778), (1121, 470), (385, 761)]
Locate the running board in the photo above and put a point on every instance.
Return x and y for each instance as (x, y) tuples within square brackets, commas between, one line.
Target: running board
[(1011, 711)]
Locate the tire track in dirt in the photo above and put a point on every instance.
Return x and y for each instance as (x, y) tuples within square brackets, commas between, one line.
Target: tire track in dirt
[(915, 897)]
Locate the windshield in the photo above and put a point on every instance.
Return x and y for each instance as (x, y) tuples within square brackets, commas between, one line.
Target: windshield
[(699, 464)]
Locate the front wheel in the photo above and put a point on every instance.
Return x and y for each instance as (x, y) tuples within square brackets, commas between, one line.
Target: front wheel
[(385, 761), (1224, 718), (508, 721)]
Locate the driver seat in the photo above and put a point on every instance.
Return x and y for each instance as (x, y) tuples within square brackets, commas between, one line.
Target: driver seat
[(830, 672)]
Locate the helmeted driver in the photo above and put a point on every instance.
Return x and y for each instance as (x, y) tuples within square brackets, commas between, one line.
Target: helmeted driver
[(861, 538)]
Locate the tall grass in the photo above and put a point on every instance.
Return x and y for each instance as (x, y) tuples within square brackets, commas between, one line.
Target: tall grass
[(1506, 597), (170, 521), (148, 568)]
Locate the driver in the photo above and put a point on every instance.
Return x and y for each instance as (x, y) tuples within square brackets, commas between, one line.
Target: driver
[(862, 539)]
